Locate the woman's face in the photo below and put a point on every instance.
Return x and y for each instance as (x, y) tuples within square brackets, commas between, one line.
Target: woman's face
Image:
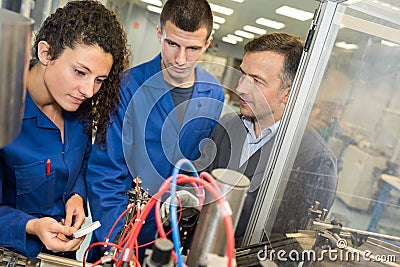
[(76, 75)]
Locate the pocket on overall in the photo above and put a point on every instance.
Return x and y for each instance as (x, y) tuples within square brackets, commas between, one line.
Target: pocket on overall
[(35, 188)]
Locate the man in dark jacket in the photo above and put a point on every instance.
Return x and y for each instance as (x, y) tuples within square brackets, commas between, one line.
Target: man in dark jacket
[(243, 142)]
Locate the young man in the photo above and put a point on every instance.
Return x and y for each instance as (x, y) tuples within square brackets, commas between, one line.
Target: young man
[(168, 105), (243, 142)]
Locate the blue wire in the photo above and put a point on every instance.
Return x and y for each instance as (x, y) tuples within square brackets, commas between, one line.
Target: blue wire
[(174, 220)]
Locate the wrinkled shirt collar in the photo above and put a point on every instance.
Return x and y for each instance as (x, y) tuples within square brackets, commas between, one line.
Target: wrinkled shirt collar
[(267, 132)]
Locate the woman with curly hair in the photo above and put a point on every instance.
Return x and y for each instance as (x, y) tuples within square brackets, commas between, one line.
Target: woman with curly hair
[(72, 89)]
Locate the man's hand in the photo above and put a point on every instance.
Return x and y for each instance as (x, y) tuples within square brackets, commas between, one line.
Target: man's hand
[(52, 234), (189, 202)]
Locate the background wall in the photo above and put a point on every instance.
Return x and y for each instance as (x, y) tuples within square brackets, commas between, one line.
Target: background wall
[(140, 26)]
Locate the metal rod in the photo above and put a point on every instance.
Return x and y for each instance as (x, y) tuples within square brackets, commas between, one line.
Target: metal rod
[(367, 233)]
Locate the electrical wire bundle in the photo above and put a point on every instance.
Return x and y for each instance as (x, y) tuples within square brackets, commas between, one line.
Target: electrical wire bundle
[(128, 246)]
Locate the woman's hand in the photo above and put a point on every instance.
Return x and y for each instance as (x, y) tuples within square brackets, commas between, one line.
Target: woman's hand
[(52, 234), (75, 213)]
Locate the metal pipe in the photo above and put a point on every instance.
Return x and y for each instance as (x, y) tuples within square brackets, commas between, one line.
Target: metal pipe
[(209, 236), (361, 232), (15, 36)]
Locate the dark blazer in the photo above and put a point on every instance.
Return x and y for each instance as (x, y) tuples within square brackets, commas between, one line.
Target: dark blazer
[(313, 176)]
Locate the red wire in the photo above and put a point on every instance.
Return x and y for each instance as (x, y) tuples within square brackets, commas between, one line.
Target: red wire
[(230, 245), (137, 253), (98, 244), (137, 227), (214, 189), (118, 219), (159, 225), (152, 242), (129, 243), (130, 225)]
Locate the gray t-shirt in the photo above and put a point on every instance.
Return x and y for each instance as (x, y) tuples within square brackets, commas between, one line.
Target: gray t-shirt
[(180, 96)]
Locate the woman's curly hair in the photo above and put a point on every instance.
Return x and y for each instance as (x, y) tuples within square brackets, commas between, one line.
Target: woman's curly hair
[(90, 23)]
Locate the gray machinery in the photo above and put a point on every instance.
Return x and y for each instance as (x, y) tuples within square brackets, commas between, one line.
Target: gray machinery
[(15, 43)]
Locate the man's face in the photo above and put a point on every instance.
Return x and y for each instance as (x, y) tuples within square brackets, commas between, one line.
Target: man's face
[(180, 51), (259, 89)]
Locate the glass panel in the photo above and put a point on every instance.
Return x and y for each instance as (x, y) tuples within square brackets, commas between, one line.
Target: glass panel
[(356, 113)]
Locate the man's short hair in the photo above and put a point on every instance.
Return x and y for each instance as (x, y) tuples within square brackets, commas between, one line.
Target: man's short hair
[(287, 45), (188, 15)]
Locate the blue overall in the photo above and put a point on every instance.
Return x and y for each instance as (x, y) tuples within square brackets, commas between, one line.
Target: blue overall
[(27, 192), (146, 140)]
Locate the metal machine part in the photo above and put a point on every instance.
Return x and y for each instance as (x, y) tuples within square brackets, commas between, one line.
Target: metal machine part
[(12, 259), (47, 260), (160, 256), (15, 36), (209, 237), (257, 255), (137, 200), (15, 42)]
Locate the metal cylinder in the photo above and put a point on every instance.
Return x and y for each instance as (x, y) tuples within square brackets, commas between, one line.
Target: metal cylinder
[(15, 43), (210, 234)]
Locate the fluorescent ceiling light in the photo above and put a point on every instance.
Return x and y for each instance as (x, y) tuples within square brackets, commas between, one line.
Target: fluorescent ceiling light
[(221, 9), (387, 43), (270, 23), (239, 1), (254, 29), (219, 20), (347, 46), (244, 34), (383, 3), (294, 13), (228, 40), (216, 26), (234, 37), (351, 2), (153, 2), (155, 9)]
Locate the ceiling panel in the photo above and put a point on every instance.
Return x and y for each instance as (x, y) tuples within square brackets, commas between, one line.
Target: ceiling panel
[(247, 12)]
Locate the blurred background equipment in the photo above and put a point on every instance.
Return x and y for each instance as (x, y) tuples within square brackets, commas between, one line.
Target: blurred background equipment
[(15, 37)]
